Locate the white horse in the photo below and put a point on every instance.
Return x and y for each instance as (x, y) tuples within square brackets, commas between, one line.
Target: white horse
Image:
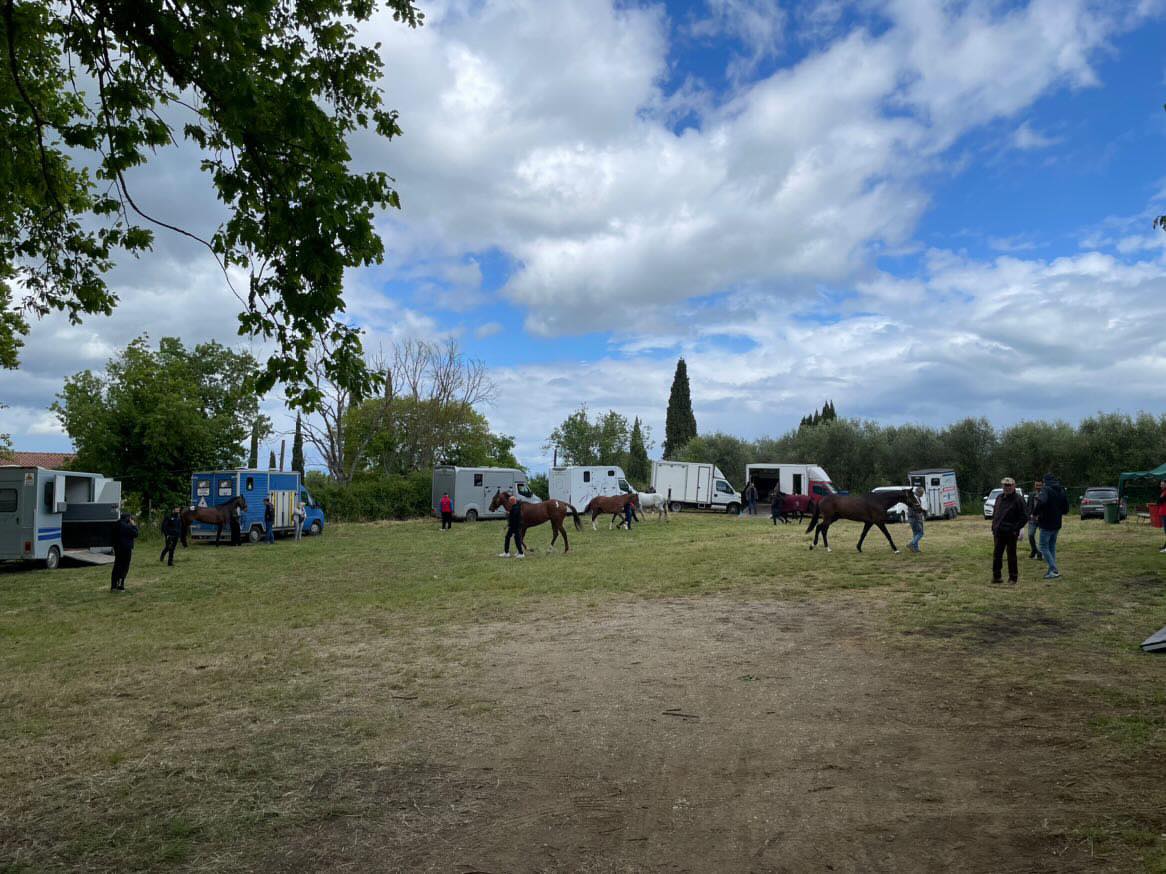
[(653, 501)]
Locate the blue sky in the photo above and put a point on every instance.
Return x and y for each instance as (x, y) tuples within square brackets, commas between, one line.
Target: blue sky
[(919, 210)]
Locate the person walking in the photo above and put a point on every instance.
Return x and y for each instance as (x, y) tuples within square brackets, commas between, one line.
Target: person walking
[(1162, 509), (1051, 505), (513, 529), (777, 506), (446, 505), (629, 509), (269, 520), (1030, 506), (1008, 520), (751, 498), (915, 519), (300, 517), (123, 551), (172, 531), (236, 530)]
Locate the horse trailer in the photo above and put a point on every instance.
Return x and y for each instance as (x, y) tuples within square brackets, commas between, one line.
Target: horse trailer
[(695, 485), (941, 495), (211, 488), (47, 515), (473, 488), (793, 479), (578, 485)]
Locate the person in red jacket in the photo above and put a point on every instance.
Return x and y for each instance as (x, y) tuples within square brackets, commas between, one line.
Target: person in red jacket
[(1162, 509), (446, 511)]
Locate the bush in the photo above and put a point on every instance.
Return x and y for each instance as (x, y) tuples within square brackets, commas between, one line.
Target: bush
[(373, 496)]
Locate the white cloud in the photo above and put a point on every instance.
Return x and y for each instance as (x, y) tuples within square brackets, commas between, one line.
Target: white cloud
[(1026, 138)]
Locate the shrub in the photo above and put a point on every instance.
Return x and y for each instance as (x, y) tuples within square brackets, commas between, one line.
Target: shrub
[(373, 496)]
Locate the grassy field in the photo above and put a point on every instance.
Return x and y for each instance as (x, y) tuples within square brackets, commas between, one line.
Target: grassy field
[(215, 715)]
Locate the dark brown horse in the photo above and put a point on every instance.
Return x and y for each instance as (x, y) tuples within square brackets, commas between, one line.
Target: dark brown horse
[(610, 504), (536, 514), (870, 509), (220, 516)]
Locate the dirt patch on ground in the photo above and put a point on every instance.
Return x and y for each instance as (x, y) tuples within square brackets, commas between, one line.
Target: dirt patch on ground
[(1000, 627), (705, 735)]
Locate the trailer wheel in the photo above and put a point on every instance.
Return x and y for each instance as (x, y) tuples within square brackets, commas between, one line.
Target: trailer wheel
[(950, 513), (53, 560), (255, 534), (674, 507), (733, 509), (471, 515), (315, 529)]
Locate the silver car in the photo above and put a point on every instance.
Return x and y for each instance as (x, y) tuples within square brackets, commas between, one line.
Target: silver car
[(990, 501)]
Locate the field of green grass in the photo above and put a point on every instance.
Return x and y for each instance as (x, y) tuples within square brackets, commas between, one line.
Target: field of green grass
[(188, 723)]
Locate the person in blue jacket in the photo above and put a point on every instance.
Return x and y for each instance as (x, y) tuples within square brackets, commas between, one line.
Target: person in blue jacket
[(1051, 505)]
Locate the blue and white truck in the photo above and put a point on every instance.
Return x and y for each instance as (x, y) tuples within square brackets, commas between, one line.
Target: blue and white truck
[(47, 515), (285, 488)]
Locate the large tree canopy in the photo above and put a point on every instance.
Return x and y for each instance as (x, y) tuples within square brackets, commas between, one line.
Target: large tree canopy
[(271, 90)]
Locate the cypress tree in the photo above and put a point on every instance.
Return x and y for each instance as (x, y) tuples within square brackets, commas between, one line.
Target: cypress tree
[(297, 460), (271, 461), (680, 423), (253, 458), (639, 467)]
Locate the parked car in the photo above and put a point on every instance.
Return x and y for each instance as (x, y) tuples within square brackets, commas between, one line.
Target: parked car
[(897, 513), (990, 501), (1096, 497)]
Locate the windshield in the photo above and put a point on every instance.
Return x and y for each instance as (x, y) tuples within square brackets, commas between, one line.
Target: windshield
[(623, 486), (523, 489), (1101, 493), (995, 493)]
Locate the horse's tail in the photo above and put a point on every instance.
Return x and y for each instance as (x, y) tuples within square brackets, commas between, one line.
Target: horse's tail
[(575, 515), (814, 518)]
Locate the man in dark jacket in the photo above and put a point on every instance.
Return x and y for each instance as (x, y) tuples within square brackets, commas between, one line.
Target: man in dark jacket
[(236, 530), (269, 520), (1051, 504), (1030, 506), (513, 529), (1008, 520), (172, 531), (123, 551)]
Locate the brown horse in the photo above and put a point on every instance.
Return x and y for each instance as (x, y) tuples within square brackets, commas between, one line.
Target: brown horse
[(536, 514), (870, 509), (610, 504), (219, 515)]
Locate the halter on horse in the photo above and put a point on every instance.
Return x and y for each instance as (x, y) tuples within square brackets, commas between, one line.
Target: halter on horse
[(219, 516), (870, 509), (544, 511)]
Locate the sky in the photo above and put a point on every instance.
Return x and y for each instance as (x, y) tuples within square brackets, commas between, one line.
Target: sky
[(918, 210)]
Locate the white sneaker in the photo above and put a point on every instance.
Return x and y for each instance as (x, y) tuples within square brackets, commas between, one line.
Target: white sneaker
[(504, 555), (1163, 549), (521, 555)]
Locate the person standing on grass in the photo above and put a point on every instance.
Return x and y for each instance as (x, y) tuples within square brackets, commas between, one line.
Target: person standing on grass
[(777, 506), (172, 531), (446, 505), (1162, 509), (1051, 505), (629, 509), (915, 519), (269, 520), (123, 551), (751, 498), (301, 516), (1008, 520), (1030, 506), (236, 530), (513, 529)]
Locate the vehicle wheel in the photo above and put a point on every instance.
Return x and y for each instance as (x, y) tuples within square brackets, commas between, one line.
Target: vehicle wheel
[(733, 509), (315, 530), (53, 560), (674, 507), (255, 534), (471, 515)]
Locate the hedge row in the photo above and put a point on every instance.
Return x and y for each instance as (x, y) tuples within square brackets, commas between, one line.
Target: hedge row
[(373, 497)]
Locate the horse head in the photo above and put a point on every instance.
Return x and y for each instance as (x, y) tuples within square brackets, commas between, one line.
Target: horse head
[(911, 499), (501, 499), (242, 502)]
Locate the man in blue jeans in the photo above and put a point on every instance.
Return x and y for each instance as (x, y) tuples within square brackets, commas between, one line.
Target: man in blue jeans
[(915, 516), (1051, 505), (269, 520)]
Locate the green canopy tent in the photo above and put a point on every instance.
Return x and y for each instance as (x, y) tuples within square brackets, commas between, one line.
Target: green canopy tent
[(1158, 473)]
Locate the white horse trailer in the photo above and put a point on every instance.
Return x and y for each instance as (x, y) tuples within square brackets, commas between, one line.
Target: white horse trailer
[(46, 515), (941, 494), (473, 488), (578, 485), (694, 484), (793, 478)]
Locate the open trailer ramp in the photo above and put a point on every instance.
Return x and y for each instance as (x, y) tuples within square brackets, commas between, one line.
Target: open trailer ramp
[(88, 556)]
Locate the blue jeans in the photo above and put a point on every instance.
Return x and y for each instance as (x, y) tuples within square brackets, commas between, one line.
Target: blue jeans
[(917, 530), (269, 537), (1048, 548)]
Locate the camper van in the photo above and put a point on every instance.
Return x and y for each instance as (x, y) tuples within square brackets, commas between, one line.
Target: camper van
[(695, 485), (578, 485), (802, 484), (46, 515), (941, 495), (213, 487), (473, 488)]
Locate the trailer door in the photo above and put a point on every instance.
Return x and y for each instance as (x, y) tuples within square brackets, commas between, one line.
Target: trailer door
[(704, 483), (17, 515)]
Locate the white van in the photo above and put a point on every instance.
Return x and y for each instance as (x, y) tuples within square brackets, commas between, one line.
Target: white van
[(941, 495), (694, 484), (578, 485), (473, 488)]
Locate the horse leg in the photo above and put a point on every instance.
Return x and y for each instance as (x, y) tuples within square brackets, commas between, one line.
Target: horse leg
[(219, 534), (883, 528), (594, 516), (566, 543), (862, 537), (825, 526)]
